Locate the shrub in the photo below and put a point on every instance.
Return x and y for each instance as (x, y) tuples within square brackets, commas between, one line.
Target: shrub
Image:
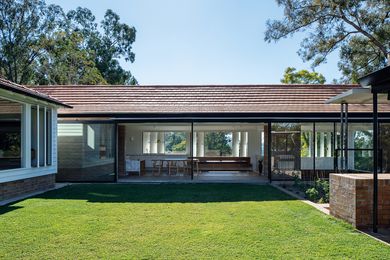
[(322, 187), (312, 194), (317, 192)]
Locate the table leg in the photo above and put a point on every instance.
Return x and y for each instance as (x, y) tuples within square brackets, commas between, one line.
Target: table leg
[(160, 167)]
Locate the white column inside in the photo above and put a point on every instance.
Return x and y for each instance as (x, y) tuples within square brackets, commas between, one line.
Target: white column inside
[(153, 142), (195, 144), (188, 142), (236, 144), (322, 144), (244, 144), (160, 143), (329, 141), (146, 142), (200, 144)]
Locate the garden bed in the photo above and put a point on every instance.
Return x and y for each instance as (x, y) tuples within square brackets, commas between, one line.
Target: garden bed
[(316, 191)]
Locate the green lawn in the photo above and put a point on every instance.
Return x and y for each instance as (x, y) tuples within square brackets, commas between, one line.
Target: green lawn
[(176, 221)]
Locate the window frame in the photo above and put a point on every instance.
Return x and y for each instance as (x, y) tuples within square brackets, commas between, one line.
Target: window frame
[(25, 170)]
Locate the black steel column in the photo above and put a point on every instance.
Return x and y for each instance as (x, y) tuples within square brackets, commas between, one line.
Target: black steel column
[(375, 170), (192, 150), (334, 147), (269, 151), (116, 152), (346, 145), (342, 138), (314, 143)]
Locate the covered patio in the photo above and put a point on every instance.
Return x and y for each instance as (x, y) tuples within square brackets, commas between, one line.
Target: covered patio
[(179, 151), (376, 91)]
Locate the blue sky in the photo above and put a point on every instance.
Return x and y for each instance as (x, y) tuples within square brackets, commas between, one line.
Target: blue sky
[(204, 41)]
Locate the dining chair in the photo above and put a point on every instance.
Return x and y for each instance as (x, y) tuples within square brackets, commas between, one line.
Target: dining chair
[(172, 167), (157, 167)]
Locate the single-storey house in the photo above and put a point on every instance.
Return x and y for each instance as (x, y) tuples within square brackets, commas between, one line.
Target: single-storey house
[(186, 133)]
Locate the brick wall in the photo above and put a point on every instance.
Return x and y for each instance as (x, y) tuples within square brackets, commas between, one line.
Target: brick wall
[(351, 198), (20, 187)]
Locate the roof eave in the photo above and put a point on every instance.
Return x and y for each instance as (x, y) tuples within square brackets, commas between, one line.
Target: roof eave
[(15, 89), (378, 77)]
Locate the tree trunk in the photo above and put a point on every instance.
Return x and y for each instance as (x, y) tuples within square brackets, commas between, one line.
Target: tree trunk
[(388, 58)]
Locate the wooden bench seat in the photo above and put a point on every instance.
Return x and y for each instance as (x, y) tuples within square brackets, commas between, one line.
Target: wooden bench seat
[(224, 163)]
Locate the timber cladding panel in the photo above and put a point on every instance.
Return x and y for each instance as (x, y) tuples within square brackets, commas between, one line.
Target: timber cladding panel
[(20, 187), (351, 197)]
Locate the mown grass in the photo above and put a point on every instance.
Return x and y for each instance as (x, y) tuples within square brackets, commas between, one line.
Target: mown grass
[(183, 221)]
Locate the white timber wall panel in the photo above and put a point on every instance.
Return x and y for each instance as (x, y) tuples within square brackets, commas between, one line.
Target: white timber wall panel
[(236, 144), (160, 143), (200, 144), (254, 146), (153, 142), (195, 140), (54, 145), (244, 144)]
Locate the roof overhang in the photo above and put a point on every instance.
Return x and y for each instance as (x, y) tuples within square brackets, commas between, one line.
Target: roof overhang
[(378, 81), (356, 96), (24, 91), (377, 78)]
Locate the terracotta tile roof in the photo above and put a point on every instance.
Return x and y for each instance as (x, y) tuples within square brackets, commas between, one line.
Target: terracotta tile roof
[(200, 99), (13, 87)]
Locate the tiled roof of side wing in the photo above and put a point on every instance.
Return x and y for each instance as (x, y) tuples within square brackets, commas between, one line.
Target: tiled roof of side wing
[(205, 98), (20, 89)]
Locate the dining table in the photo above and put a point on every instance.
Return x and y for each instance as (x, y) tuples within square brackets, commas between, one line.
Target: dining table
[(171, 163)]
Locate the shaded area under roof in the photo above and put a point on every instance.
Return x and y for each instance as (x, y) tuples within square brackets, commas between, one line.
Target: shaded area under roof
[(357, 96)]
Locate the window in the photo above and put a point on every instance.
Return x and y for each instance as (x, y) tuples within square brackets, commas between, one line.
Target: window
[(221, 143), (48, 136), (306, 143), (41, 134), (362, 143), (99, 142), (42, 138), (86, 152), (34, 136), (324, 144), (10, 134), (175, 142), (218, 144), (164, 142)]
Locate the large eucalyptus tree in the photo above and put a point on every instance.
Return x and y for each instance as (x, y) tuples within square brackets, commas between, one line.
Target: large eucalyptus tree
[(359, 29)]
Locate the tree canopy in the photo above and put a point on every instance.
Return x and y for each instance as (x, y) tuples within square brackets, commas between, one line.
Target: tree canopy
[(41, 44), (359, 29), (220, 142), (292, 76)]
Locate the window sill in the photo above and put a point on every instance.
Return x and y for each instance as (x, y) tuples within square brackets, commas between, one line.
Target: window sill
[(25, 173)]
